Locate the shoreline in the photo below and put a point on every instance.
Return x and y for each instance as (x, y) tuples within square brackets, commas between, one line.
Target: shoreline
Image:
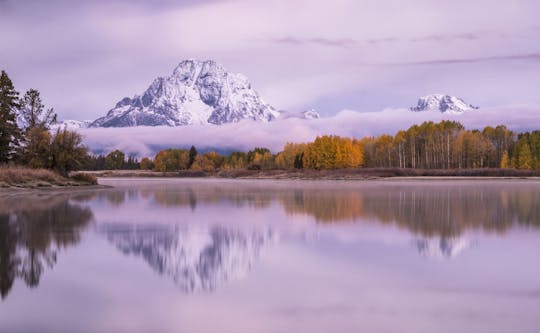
[(339, 174)]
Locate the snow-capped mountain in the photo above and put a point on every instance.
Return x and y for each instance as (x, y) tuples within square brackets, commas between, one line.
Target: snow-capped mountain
[(197, 92), (71, 124), (196, 258), (309, 114), (442, 103), (441, 248)]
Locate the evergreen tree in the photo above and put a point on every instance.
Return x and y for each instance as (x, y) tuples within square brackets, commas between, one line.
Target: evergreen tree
[(115, 160), (192, 155), (9, 131)]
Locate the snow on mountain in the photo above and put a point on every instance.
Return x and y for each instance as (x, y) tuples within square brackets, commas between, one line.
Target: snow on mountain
[(309, 114), (71, 124), (442, 103), (441, 248), (197, 92), (196, 258)]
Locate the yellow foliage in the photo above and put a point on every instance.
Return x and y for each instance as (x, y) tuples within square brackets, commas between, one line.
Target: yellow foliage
[(333, 152)]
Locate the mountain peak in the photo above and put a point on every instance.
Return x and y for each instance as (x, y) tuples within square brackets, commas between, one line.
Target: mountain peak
[(442, 103), (197, 92)]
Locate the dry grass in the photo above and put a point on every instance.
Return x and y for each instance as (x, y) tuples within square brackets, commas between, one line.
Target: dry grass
[(18, 176), (84, 178)]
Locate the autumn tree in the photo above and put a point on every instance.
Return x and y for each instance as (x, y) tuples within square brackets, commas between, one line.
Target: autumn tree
[(236, 160), (146, 164), (37, 150), (67, 153), (505, 161), (333, 152), (260, 158), (171, 160), (291, 156)]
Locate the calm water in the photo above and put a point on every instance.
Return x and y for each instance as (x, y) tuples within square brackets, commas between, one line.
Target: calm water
[(273, 256)]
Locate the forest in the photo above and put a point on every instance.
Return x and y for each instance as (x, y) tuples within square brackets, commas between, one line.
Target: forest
[(445, 145)]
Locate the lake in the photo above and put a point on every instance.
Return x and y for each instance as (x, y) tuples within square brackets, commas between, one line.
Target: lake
[(208, 255)]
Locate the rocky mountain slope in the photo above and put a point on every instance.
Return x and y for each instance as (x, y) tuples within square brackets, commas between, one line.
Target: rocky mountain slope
[(197, 92)]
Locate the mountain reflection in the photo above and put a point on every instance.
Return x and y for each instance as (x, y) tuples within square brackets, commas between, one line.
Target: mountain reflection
[(32, 230), (195, 258)]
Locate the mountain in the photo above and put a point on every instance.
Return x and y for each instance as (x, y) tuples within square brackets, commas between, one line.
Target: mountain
[(195, 258), (442, 103), (197, 92), (309, 114)]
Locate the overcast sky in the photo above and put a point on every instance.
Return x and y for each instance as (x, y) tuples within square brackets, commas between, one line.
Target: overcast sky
[(364, 55)]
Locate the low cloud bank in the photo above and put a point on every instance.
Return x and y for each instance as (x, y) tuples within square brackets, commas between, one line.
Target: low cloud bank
[(146, 141)]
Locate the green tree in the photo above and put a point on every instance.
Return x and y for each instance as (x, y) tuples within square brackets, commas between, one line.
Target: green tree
[(115, 160), (192, 154), (9, 131)]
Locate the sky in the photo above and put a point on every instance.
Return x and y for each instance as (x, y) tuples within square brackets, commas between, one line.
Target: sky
[(362, 55)]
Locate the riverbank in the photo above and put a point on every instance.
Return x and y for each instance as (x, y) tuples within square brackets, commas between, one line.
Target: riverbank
[(15, 177), (340, 174)]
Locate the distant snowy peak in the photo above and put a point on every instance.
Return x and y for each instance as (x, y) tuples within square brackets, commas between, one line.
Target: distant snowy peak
[(197, 92), (442, 103), (309, 114), (71, 124)]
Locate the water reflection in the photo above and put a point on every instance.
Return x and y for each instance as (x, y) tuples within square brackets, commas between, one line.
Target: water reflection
[(32, 231), (442, 247), (196, 258), (202, 257), (445, 210)]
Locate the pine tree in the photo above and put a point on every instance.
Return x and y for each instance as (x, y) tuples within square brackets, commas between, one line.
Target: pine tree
[(192, 154), (9, 131)]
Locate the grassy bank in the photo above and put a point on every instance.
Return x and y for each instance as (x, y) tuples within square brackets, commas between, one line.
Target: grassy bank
[(22, 177), (356, 173)]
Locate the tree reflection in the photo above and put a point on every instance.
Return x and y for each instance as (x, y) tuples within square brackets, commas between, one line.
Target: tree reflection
[(32, 230), (444, 210)]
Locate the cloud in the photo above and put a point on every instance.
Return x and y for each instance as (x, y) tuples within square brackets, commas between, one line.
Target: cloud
[(333, 42), (516, 57), (84, 56), (146, 141), (447, 38)]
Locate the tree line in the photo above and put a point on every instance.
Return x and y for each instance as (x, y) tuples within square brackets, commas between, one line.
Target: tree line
[(448, 145), (442, 145), (25, 135)]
